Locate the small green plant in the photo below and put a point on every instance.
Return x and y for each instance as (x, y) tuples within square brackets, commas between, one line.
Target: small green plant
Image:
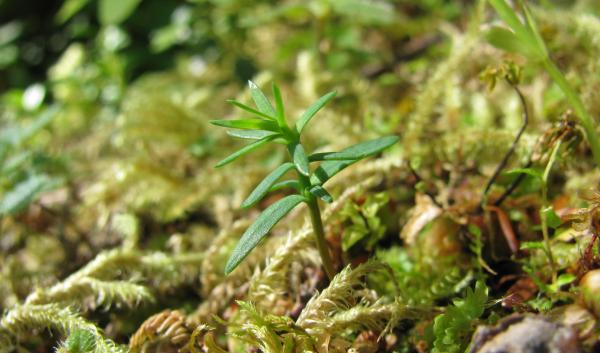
[(524, 38), (453, 328), (270, 125)]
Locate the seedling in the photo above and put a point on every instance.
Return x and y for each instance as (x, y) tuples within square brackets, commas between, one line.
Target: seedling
[(269, 124)]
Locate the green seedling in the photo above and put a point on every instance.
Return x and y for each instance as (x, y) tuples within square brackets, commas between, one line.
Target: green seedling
[(524, 37), (269, 124)]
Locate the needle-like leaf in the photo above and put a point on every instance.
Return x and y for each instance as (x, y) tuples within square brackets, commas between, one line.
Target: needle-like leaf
[(262, 102), (294, 184), (321, 193), (329, 168), (250, 134), (279, 104), (263, 224), (250, 109), (508, 15), (300, 159), (247, 124), (505, 39), (358, 151), (263, 188), (245, 150), (312, 110)]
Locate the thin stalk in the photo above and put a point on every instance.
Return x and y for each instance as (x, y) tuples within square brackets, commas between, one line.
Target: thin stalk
[(511, 150), (545, 232), (577, 104), (317, 224)]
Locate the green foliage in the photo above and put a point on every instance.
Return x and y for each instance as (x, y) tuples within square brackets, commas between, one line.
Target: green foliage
[(25, 172), (52, 316), (270, 333), (345, 305), (525, 38), (263, 224), (112, 12), (25, 192), (419, 283), (312, 110), (266, 184), (453, 328), (80, 341), (365, 223), (273, 119)]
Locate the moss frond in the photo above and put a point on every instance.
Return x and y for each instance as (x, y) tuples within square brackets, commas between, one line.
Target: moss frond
[(341, 295), (103, 293), (157, 267), (57, 318), (270, 284), (375, 317), (270, 333)]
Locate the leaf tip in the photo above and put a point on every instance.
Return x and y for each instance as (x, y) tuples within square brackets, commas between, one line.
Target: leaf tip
[(246, 204), (229, 267)]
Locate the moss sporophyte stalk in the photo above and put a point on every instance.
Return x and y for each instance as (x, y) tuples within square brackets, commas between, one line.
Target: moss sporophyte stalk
[(269, 124)]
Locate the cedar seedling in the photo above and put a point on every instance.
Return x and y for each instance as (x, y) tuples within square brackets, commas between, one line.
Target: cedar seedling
[(269, 124)]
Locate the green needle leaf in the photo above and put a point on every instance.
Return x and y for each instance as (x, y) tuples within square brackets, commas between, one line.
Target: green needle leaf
[(263, 224), (262, 102), (505, 39), (294, 184), (358, 151), (250, 134), (263, 188), (279, 104), (328, 169), (300, 159), (312, 110), (507, 14), (250, 110), (247, 124), (245, 150), (321, 193), (533, 29)]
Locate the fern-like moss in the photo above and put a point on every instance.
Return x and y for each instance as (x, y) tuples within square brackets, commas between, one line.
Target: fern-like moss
[(54, 317)]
